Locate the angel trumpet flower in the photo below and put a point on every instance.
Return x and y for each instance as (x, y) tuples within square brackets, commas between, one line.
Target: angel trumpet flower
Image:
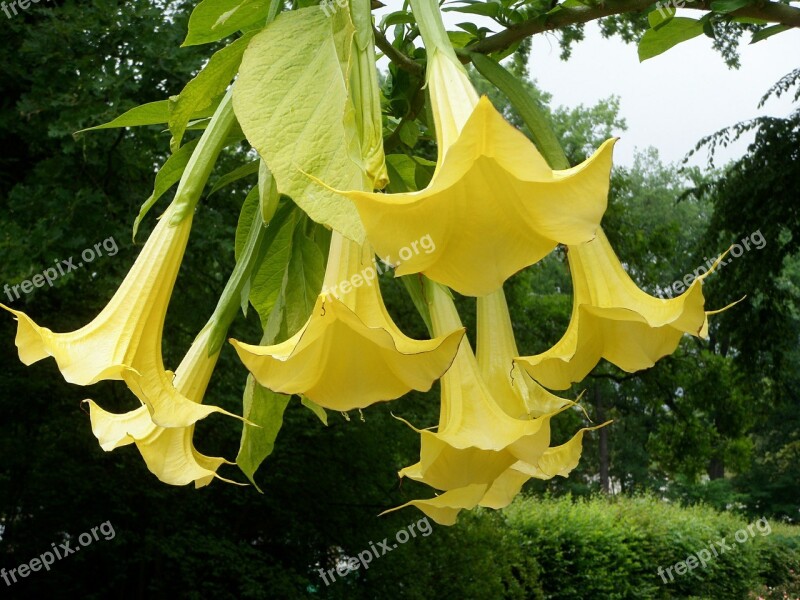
[(350, 354), (613, 319), (124, 340), (484, 476), (168, 452), (510, 207)]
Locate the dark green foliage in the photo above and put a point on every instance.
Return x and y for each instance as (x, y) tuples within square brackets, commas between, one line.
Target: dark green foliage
[(612, 549), (67, 66)]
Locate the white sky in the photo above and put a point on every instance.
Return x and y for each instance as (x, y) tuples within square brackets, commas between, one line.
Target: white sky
[(672, 100), (669, 101)]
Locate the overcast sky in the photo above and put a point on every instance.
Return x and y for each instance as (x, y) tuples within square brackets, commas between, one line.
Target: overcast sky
[(670, 101), (674, 99)]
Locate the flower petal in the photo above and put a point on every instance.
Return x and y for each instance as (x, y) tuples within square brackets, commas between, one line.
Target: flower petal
[(491, 209), (613, 319)]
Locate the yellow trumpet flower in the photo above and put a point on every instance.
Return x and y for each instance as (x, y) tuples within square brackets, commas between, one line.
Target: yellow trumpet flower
[(489, 477), (477, 439), (613, 318), (494, 206), (168, 452), (559, 460), (350, 354), (124, 340)]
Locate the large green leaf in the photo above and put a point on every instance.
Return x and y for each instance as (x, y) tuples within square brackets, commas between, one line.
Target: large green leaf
[(214, 20), (292, 102), (672, 33), (200, 92)]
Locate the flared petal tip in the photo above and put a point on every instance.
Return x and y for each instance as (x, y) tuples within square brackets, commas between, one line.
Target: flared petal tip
[(343, 362)]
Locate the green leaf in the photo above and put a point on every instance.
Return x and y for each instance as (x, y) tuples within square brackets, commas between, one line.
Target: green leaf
[(292, 94), (660, 16), (533, 115), (209, 83), (168, 175), (213, 20), (316, 409), (250, 168), (414, 287), (305, 274), (726, 6), (749, 21), (424, 173), (263, 407), (460, 39), (675, 31), (767, 32), (409, 133), (268, 196), (487, 9), (400, 17), (269, 279), (245, 222), (402, 171), (152, 113)]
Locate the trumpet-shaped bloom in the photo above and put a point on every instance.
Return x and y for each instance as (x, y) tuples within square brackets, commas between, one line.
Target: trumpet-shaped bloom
[(350, 354), (613, 319), (478, 475), (124, 340), (494, 206), (559, 460), (476, 439), (168, 452)]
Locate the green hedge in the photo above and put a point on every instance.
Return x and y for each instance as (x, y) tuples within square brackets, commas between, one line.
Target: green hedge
[(613, 548)]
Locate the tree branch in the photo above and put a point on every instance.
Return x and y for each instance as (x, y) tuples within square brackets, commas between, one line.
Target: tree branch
[(417, 104), (774, 12), (397, 57)]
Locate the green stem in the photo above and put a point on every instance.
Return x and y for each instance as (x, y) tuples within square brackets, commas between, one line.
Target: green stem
[(431, 27), (365, 93), (444, 314), (203, 159), (230, 300), (495, 337), (535, 118)]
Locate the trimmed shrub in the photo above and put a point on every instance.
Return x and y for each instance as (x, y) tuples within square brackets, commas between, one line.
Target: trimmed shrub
[(613, 548)]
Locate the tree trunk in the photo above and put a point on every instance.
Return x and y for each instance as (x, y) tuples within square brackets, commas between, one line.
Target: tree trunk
[(600, 415), (716, 468)]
